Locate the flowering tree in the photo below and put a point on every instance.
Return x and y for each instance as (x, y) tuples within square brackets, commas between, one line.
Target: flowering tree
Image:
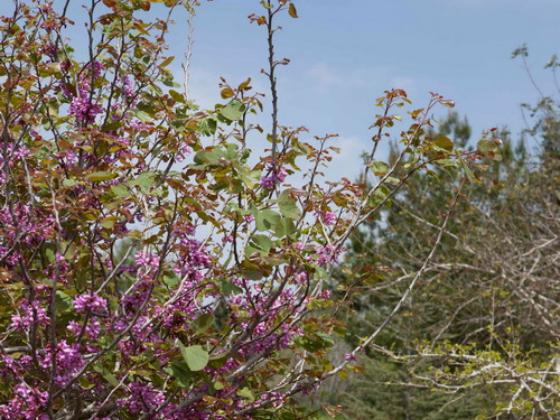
[(148, 270)]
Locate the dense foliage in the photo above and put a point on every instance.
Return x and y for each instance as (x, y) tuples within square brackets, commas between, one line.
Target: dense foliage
[(478, 337), (151, 265)]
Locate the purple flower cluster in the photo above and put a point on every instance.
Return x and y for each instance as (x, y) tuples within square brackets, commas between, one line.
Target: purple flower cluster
[(193, 257), (136, 298), (83, 106), (275, 176), (273, 398), (326, 255), (17, 153), (191, 262), (69, 157), (350, 357), (27, 403), (143, 398), (328, 217), (92, 328), (29, 314), (127, 87), (301, 277), (249, 218), (21, 222), (147, 261), (183, 151), (266, 335), (8, 256), (69, 361), (90, 302)]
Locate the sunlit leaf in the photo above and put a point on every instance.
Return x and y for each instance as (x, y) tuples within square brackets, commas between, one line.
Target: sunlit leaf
[(195, 357)]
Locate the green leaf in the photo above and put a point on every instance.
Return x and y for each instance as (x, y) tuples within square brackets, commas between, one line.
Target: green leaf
[(228, 288), (248, 177), (101, 176), (233, 111), (327, 339), (379, 168), (195, 357), (179, 371), (447, 163), (49, 253), (246, 393), (120, 190), (209, 157), (285, 227), (63, 302), (177, 96), (171, 280), (143, 116), (253, 271), (167, 61), (259, 243), (109, 222), (486, 146), (378, 196), (391, 180), (203, 322), (470, 175), (208, 126), (145, 180), (292, 11), (490, 149), (444, 142), (288, 206), (49, 69), (266, 219), (108, 376), (69, 182), (226, 92)]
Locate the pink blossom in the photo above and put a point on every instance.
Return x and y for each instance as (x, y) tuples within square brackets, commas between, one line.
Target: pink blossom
[(183, 151), (27, 403), (276, 175), (69, 361), (350, 357), (90, 302), (92, 329), (327, 254), (301, 277), (147, 260), (328, 217), (128, 88), (29, 315), (143, 398), (83, 108)]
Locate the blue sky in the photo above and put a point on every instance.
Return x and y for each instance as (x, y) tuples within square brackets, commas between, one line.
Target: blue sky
[(345, 53)]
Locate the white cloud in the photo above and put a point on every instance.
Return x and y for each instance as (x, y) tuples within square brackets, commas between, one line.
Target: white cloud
[(327, 77)]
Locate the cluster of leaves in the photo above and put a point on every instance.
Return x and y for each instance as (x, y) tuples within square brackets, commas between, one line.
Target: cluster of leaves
[(147, 268)]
